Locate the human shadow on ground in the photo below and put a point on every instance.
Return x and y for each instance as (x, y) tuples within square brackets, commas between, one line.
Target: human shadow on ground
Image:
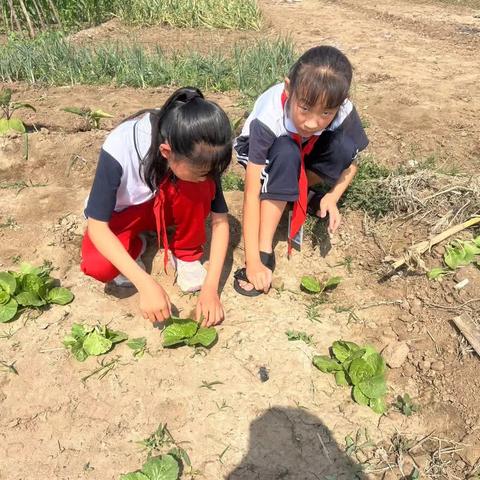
[(315, 230), (235, 237), (292, 444)]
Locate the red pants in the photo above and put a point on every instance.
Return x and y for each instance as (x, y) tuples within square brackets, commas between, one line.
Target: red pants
[(184, 205)]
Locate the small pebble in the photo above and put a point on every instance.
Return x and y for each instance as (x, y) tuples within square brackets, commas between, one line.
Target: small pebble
[(263, 374)]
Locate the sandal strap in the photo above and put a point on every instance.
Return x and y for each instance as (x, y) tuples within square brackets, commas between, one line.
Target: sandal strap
[(268, 259)]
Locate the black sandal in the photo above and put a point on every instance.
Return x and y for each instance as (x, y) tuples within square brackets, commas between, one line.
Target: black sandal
[(268, 259)]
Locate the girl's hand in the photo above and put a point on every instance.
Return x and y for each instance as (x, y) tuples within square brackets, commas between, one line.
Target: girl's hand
[(209, 310), (259, 276), (154, 302), (328, 204)]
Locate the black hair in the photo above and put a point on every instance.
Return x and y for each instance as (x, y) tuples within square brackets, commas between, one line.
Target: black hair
[(196, 129), (323, 74)]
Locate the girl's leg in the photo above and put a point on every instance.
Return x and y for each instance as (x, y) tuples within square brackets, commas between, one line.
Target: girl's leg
[(270, 214), (126, 225), (279, 186)]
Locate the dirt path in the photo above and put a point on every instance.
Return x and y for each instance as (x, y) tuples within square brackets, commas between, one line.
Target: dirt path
[(416, 88)]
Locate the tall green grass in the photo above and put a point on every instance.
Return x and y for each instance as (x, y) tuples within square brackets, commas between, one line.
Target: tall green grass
[(51, 59), (231, 14), (67, 14)]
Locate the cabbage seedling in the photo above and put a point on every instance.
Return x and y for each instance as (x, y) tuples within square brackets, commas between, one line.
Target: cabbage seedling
[(32, 287), (85, 341), (188, 332), (7, 122), (363, 368), (312, 285)]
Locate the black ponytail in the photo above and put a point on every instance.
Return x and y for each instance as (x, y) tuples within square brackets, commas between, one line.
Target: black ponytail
[(196, 129)]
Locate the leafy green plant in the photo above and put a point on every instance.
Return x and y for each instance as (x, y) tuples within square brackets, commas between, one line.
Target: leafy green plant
[(164, 467), (457, 254), (232, 181), (7, 122), (32, 287), (294, 335), (92, 117), (363, 368), (181, 331), (460, 254), (405, 405), (138, 345), (85, 341), (312, 285)]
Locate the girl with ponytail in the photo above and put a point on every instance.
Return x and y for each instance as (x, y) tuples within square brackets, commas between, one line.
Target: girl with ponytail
[(161, 168)]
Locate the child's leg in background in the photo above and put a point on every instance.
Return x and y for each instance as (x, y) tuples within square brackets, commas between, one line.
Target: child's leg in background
[(126, 225), (187, 206)]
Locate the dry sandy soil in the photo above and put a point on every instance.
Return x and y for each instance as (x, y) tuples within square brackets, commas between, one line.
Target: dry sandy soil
[(416, 87)]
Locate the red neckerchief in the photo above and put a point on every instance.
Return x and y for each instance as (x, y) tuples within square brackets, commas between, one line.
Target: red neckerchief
[(300, 206), (158, 211)]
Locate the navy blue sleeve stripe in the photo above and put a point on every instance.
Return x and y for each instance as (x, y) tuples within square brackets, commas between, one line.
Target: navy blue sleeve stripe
[(260, 141), (219, 205), (103, 196)]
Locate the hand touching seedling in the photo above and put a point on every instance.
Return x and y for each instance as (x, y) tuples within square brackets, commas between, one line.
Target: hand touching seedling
[(188, 332)]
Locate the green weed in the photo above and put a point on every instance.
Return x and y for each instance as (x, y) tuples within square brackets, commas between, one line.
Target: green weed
[(232, 181), (91, 117), (294, 335), (366, 191), (405, 405)]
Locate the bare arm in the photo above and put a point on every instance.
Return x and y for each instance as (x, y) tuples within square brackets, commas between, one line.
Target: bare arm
[(251, 213), (343, 182), (154, 302), (209, 308)]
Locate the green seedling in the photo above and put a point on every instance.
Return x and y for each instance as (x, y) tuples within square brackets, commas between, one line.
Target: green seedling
[(457, 254), (294, 335), (210, 385), (32, 287), (406, 405), (7, 122), (104, 369), (363, 368), (312, 285), (92, 117), (188, 332), (437, 273), (361, 442), (138, 345), (164, 467), (160, 444), (10, 367), (85, 341)]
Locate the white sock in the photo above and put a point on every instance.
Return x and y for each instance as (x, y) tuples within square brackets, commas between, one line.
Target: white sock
[(190, 275)]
